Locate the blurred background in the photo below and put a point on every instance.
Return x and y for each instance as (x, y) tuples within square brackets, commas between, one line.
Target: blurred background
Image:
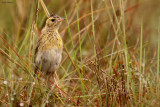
[(99, 37), (16, 14)]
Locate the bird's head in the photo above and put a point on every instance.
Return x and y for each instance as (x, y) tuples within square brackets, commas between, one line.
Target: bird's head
[(54, 21)]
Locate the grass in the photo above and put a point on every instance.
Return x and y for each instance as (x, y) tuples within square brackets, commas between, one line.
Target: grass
[(110, 55)]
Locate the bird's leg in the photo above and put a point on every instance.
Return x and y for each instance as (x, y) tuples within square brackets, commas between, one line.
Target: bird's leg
[(58, 84), (48, 82), (50, 86)]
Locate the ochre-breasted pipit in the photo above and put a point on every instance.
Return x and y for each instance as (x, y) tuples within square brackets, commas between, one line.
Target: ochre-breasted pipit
[(48, 51)]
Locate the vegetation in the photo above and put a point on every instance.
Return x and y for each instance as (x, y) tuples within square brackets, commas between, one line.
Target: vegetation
[(110, 58)]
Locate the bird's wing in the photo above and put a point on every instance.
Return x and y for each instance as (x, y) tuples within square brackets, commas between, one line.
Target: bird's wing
[(36, 48), (35, 54), (38, 45)]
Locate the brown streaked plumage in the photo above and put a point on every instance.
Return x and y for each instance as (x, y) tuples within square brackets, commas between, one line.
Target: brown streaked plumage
[(48, 51)]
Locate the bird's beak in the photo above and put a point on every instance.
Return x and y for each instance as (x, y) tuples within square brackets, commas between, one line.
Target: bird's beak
[(61, 19)]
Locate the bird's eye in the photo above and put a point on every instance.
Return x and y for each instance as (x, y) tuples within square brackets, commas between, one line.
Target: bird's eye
[(52, 20)]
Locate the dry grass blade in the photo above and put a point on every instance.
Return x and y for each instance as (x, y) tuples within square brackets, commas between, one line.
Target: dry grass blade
[(13, 50), (97, 11), (45, 8), (58, 88)]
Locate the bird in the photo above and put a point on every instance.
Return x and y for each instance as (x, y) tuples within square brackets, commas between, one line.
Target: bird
[(49, 47)]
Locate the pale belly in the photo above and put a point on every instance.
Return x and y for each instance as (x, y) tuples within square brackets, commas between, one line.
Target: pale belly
[(48, 61)]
